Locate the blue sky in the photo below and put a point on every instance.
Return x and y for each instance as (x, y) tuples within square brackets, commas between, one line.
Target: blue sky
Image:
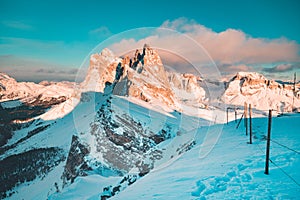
[(54, 34)]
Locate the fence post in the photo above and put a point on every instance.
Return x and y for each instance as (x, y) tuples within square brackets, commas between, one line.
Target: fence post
[(240, 121), (250, 122), (246, 117), (235, 114), (268, 143), (227, 114)]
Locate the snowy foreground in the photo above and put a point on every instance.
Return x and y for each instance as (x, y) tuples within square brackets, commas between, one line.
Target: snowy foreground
[(233, 169)]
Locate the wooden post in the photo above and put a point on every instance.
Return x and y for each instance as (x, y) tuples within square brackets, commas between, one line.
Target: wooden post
[(250, 122), (240, 121), (268, 143), (235, 114), (294, 91), (246, 117), (295, 82), (227, 115)]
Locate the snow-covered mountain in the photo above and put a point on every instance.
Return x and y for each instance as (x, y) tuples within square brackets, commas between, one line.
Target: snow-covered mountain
[(263, 94), (121, 122), (29, 92), (143, 77), (128, 118)]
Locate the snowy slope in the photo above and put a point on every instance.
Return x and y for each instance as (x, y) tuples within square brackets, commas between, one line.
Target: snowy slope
[(111, 129), (61, 97), (40, 135), (232, 170)]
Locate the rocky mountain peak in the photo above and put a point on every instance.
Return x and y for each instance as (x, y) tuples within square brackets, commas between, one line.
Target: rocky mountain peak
[(102, 69), (151, 56), (145, 78), (261, 92), (105, 57), (142, 76), (249, 75), (4, 77), (255, 79)]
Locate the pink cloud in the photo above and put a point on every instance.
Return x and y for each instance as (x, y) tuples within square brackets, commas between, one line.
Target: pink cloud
[(282, 68), (180, 51), (228, 47), (237, 68), (101, 31), (187, 46), (234, 46)]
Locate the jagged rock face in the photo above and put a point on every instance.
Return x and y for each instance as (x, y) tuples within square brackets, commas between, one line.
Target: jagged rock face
[(75, 165), (187, 89), (153, 64), (102, 69), (143, 77), (262, 93), (123, 142)]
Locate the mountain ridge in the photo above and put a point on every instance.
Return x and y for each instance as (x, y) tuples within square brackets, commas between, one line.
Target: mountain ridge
[(262, 93)]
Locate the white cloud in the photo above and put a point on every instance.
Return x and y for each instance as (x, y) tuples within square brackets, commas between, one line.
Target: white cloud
[(281, 68), (234, 46), (231, 48), (17, 25), (100, 32), (34, 69)]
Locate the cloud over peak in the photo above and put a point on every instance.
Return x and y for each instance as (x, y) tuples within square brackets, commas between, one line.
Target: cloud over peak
[(234, 46), (282, 68), (100, 32)]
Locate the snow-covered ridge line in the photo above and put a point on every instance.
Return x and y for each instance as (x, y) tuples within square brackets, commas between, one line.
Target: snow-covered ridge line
[(10, 89), (144, 77), (262, 93)]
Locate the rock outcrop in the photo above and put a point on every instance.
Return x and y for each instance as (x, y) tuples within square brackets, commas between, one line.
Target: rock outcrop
[(143, 77), (262, 93)]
